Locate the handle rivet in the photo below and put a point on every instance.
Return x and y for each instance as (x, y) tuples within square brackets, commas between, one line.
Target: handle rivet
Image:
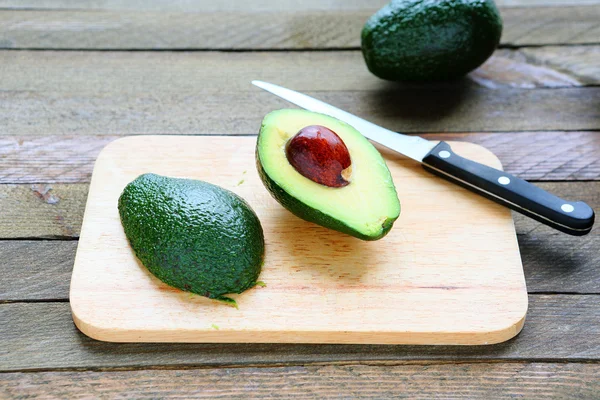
[(444, 154), (567, 208), (504, 180)]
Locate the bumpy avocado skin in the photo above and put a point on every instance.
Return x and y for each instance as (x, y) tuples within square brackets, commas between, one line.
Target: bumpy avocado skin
[(193, 235), (311, 214), (430, 40)]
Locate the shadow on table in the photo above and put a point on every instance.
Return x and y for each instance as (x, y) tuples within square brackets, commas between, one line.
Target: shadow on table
[(420, 103)]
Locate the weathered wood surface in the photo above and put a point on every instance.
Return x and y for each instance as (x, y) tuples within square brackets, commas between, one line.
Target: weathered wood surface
[(42, 336), (529, 155), (239, 113), (49, 159), (299, 26), (57, 109), (36, 269), (582, 63), (81, 72), (526, 68), (86, 93), (41, 211), (241, 5), (464, 381)]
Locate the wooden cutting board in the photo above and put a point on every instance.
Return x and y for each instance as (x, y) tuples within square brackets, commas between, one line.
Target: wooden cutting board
[(449, 272)]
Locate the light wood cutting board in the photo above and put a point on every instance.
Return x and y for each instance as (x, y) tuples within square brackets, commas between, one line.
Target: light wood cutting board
[(449, 272)]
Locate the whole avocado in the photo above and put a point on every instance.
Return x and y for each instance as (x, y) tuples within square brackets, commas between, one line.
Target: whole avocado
[(430, 40), (193, 235)]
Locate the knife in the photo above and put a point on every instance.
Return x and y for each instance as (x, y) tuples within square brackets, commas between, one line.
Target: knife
[(575, 218)]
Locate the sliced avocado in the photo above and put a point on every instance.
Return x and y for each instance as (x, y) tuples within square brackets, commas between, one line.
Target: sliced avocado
[(193, 235), (430, 40), (366, 207)]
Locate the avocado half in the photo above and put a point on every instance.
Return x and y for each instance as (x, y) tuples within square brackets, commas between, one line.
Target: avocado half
[(366, 208), (193, 235)]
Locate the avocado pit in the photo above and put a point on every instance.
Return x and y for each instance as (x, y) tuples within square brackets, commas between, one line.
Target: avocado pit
[(320, 155)]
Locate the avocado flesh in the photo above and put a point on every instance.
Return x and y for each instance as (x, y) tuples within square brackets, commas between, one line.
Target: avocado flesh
[(193, 235), (366, 208), (430, 40)]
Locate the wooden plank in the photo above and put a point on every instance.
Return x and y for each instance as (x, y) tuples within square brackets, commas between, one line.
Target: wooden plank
[(241, 5), (550, 25), (127, 93), (418, 110), (41, 211), (226, 112), (554, 262), (196, 72), (529, 155), (544, 67), (49, 159), (208, 5), (558, 328), (579, 62), (458, 381), (36, 270), (298, 30), (297, 27)]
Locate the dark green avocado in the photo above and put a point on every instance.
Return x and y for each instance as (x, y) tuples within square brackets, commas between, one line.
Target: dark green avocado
[(430, 40), (193, 235)]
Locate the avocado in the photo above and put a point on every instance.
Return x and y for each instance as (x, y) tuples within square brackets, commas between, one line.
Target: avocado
[(430, 40), (320, 184), (193, 235)]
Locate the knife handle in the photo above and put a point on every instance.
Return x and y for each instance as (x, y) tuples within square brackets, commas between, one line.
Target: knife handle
[(574, 218)]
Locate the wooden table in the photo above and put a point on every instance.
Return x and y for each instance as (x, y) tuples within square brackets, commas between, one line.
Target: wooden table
[(77, 74)]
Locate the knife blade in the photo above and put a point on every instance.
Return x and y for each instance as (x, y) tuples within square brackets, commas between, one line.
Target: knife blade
[(575, 218)]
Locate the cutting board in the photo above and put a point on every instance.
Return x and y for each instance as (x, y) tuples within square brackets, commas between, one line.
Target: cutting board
[(449, 272)]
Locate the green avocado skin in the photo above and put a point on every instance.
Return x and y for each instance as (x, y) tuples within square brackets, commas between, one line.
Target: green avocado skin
[(193, 235), (311, 214), (430, 40)]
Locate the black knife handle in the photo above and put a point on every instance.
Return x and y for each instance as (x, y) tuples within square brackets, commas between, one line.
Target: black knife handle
[(575, 218)]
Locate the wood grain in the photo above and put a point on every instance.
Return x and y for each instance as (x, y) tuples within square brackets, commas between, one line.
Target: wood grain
[(551, 25), (41, 210), (580, 62), (529, 155), (185, 72), (309, 26), (206, 5), (49, 159), (36, 270), (462, 381), (563, 256), (115, 93), (224, 112), (240, 5), (558, 328), (321, 286)]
